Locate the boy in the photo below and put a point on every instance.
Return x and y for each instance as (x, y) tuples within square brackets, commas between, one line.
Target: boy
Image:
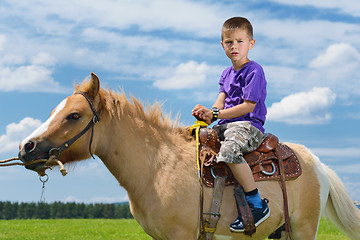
[(241, 107)]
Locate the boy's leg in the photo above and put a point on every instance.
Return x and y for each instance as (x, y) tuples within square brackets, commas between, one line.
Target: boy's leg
[(259, 207), (243, 175), (240, 138)]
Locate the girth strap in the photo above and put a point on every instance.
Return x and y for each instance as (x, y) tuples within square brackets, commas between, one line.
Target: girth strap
[(214, 215), (288, 233)]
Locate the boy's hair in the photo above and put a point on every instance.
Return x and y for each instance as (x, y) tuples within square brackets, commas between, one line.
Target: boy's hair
[(237, 23)]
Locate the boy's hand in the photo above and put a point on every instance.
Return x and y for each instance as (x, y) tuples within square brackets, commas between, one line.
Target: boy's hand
[(202, 113)]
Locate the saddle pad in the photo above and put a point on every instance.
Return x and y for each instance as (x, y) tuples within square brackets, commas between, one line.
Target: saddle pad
[(265, 166)]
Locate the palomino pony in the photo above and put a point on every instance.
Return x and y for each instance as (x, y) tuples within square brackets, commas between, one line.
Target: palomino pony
[(154, 160)]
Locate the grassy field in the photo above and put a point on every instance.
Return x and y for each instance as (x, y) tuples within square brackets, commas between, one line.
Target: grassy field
[(83, 229)]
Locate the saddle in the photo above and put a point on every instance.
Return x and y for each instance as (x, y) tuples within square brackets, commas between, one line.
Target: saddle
[(264, 161), (270, 161)]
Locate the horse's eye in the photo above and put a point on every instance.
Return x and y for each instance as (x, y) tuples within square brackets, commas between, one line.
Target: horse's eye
[(73, 116)]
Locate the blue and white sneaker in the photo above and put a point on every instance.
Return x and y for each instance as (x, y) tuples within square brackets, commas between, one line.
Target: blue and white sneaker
[(259, 215)]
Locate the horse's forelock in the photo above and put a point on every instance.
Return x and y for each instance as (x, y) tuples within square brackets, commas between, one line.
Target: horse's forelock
[(84, 86)]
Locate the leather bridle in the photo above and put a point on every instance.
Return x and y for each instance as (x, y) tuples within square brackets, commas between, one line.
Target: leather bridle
[(55, 152)]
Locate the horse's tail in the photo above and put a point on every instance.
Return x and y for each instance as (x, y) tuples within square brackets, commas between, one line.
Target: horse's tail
[(340, 209)]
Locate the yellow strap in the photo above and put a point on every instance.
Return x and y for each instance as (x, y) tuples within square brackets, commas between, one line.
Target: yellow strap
[(210, 230), (197, 126)]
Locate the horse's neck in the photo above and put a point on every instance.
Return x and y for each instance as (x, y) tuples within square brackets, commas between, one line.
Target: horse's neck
[(134, 152)]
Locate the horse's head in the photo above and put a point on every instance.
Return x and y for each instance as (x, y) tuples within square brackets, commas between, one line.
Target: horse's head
[(67, 132)]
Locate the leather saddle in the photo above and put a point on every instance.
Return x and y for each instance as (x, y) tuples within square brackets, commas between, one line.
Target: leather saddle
[(264, 161)]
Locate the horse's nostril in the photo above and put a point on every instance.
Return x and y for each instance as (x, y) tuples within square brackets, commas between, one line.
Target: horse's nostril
[(29, 146)]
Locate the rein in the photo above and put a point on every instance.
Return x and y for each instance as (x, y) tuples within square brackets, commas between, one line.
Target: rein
[(6, 163)]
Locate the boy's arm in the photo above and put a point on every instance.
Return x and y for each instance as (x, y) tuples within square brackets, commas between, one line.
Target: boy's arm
[(220, 101), (238, 110), (205, 113)]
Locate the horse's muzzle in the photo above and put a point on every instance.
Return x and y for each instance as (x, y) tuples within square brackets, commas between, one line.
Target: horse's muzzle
[(32, 151)]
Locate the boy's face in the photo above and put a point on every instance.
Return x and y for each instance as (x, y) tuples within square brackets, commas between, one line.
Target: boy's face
[(237, 44)]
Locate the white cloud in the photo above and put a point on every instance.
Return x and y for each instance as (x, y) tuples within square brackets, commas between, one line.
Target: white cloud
[(337, 68), (349, 152), (43, 59), (90, 34), (97, 199), (348, 168), (164, 38), (303, 107), (338, 56), (15, 132), (147, 15), (352, 184), (205, 96), (345, 6), (28, 78), (354, 115), (185, 76), (301, 36), (2, 42), (283, 80), (34, 77)]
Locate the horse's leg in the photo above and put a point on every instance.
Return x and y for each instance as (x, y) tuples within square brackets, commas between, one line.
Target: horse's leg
[(304, 196), (304, 218), (180, 234)]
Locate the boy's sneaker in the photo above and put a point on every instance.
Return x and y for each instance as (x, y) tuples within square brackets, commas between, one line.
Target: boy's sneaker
[(259, 215)]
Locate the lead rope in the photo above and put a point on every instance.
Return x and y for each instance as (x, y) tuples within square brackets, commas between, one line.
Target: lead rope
[(52, 159)]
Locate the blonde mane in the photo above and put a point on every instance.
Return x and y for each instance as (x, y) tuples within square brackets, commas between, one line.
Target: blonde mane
[(118, 105)]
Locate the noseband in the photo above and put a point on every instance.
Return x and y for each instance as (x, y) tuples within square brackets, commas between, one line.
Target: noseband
[(55, 152)]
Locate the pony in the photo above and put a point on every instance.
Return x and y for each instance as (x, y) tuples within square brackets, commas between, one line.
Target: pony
[(153, 158)]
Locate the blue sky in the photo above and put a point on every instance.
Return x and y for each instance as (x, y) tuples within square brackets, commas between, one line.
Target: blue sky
[(169, 51)]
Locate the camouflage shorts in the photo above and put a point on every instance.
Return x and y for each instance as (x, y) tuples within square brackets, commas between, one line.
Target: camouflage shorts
[(237, 138)]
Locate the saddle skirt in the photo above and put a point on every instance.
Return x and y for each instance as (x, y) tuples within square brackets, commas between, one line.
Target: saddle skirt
[(264, 161)]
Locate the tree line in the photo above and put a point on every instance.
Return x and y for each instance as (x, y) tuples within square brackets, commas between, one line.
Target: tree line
[(41, 210)]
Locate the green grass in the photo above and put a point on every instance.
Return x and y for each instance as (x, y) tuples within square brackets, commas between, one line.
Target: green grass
[(83, 229), (76, 229), (327, 231)]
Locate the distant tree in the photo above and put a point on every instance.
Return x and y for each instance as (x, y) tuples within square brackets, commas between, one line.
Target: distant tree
[(82, 210), (57, 210), (30, 210), (108, 211), (21, 211), (123, 211), (71, 210), (97, 210), (42, 210), (1, 209), (9, 210), (89, 210)]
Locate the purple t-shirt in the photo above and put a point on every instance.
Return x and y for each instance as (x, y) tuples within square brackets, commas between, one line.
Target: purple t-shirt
[(248, 83)]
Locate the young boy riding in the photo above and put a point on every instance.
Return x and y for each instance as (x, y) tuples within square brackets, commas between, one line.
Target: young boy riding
[(240, 106)]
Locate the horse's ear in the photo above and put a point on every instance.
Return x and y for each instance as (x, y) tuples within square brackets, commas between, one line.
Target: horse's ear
[(94, 86)]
